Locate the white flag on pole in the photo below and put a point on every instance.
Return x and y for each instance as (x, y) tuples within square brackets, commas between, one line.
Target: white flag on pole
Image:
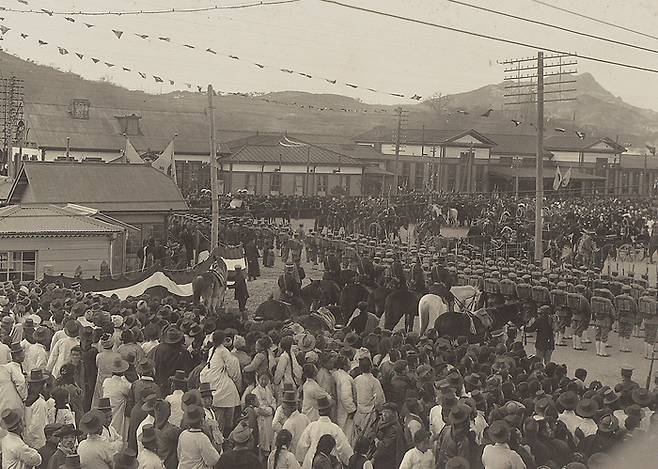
[(558, 179), (566, 178), (166, 162)]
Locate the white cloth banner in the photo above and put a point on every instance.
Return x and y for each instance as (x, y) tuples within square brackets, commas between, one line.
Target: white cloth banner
[(158, 279)]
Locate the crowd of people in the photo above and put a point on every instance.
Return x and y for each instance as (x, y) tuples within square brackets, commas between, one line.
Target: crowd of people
[(88, 381), (93, 382)]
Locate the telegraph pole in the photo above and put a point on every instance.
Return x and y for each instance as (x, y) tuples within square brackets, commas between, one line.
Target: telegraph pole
[(539, 182), (526, 91), (396, 177), (214, 192), (11, 114)]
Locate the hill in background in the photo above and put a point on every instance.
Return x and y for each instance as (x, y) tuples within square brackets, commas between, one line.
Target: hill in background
[(596, 110)]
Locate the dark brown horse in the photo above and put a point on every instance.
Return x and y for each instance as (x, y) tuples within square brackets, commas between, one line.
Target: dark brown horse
[(350, 297), (321, 293), (401, 303), (453, 324), (377, 299), (278, 310)]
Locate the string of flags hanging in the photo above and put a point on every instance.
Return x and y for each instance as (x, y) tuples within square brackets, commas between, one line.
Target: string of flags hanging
[(45, 11), (118, 34), (201, 88)]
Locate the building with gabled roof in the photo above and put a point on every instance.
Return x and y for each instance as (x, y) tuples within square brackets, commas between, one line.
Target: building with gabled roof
[(47, 239), (285, 165), (467, 160), (138, 195)]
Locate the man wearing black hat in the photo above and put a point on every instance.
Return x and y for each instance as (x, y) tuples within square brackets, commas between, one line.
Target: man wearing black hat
[(52, 441), (308, 442), (94, 451), (68, 439), (169, 356), (13, 387), (499, 454), (194, 447), (545, 341), (389, 442), (455, 439), (241, 293), (15, 453), (60, 352)]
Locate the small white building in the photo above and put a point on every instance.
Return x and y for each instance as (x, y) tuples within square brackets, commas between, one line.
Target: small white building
[(46, 239)]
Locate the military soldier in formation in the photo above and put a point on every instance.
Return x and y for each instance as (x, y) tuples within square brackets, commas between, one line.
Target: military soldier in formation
[(626, 311), (648, 308)]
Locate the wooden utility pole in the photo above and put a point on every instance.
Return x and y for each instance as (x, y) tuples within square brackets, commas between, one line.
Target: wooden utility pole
[(396, 177), (398, 141), (522, 76), (539, 181), (214, 192)]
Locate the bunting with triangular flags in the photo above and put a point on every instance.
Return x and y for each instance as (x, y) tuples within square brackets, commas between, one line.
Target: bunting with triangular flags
[(117, 33), (62, 51), (80, 56), (95, 60)]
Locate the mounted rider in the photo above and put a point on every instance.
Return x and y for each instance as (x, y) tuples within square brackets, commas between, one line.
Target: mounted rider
[(289, 283)]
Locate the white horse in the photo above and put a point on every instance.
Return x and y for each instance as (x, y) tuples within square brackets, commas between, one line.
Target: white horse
[(432, 306)]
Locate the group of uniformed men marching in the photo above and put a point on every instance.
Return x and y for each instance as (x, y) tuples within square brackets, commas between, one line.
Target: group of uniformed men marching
[(579, 298)]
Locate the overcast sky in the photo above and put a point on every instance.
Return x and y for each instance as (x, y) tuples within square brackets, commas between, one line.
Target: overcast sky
[(326, 40)]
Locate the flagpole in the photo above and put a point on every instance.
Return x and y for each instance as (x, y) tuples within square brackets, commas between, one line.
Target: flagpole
[(214, 231)]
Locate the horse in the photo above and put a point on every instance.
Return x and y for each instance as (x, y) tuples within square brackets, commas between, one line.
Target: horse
[(377, 299), (400, 303), (321, 293), (350, 296), (210, 287), (279, 310), (477, 326), (432, 306)]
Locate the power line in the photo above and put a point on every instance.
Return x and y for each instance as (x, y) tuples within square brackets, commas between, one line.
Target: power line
[(554, 26), (596, 20), (44, 11), (490, 37)]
